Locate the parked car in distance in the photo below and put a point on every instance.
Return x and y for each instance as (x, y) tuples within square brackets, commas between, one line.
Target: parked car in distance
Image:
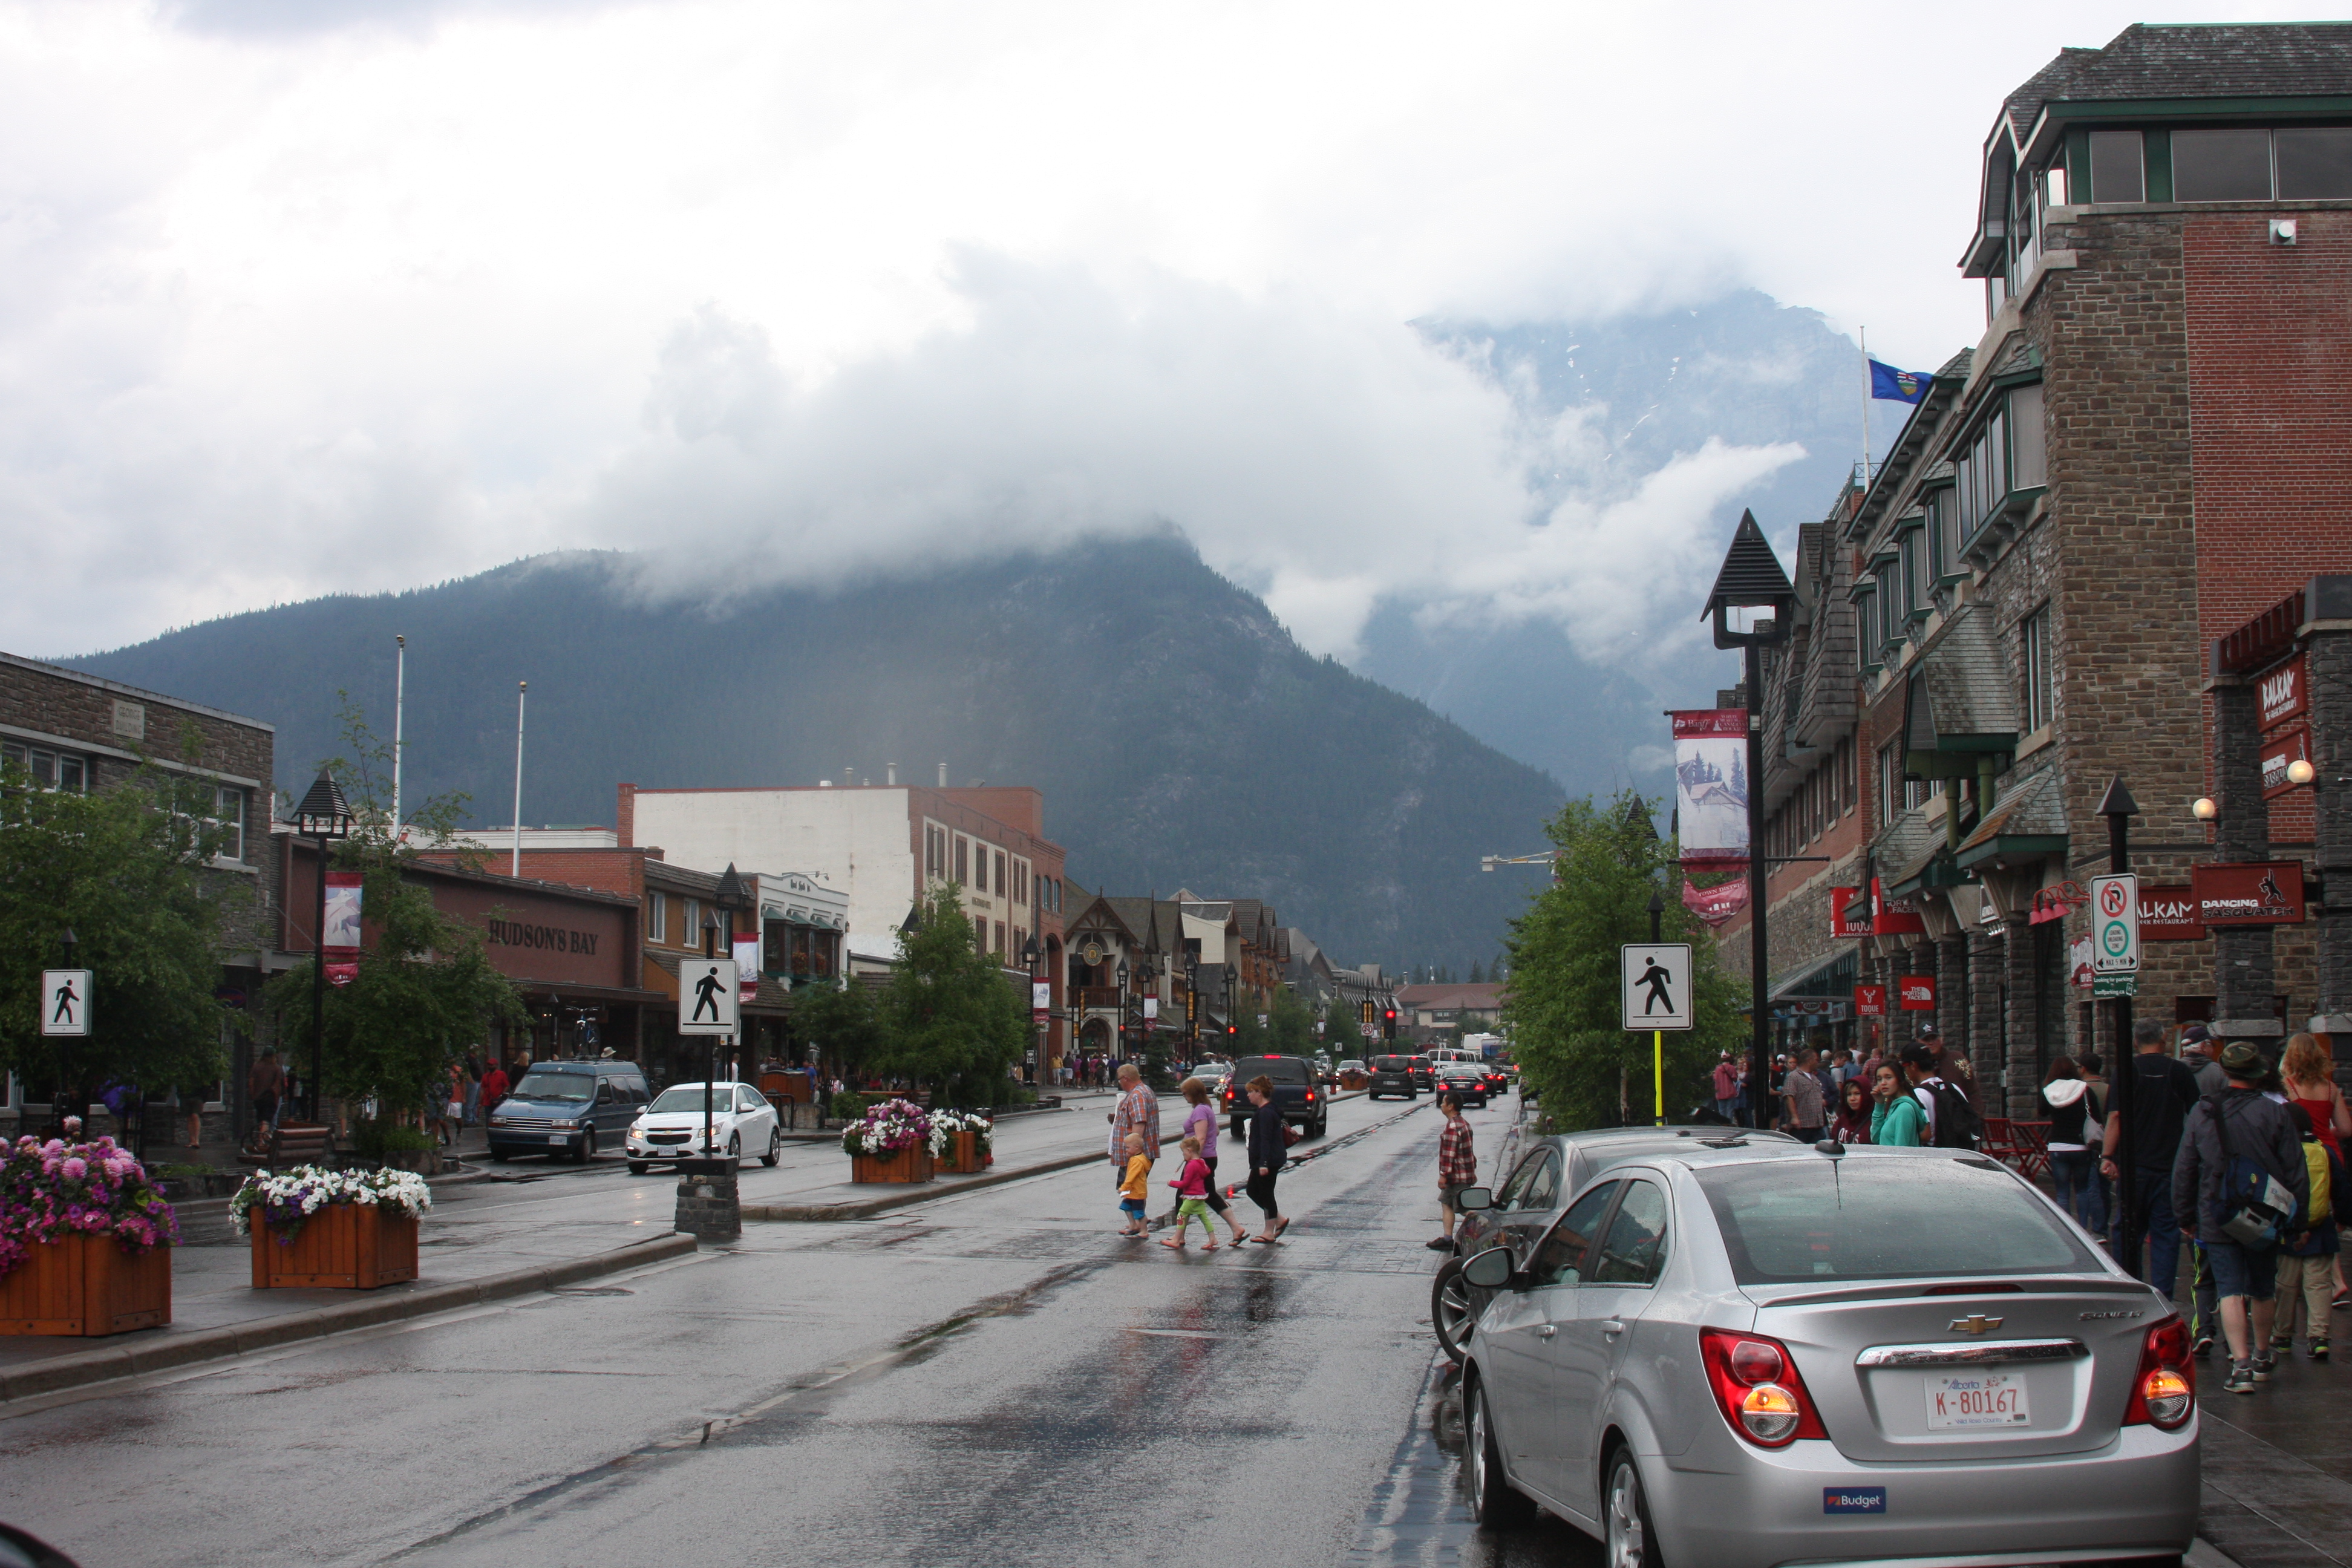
[(741, 1123), (1523, 1204), (1464, 1081), (1391, 1075), (567, 1108), (1296, 1092), (1741, 1354)]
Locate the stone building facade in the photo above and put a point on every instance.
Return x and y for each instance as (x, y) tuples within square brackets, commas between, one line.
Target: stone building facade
[(2150, 444)]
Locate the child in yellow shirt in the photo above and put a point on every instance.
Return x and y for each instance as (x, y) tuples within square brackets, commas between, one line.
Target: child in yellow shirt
[(1136, 1187)]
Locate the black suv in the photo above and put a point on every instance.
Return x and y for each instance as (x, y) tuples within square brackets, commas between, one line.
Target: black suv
[(1392, 1075), (1297, 1093)]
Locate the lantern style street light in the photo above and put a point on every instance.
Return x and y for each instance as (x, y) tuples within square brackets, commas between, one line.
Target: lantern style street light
[(1037, 1047), (325, 817), (1752, 582)]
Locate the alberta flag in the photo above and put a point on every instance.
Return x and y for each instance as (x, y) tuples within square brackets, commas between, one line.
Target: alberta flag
[(1900, 385)]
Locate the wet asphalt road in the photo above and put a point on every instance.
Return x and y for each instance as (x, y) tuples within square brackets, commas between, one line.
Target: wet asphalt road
[(991, 1377)]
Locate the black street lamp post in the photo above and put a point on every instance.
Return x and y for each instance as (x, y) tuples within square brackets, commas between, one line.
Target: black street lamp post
[(60, 1105), (1126, 1039), (325, 817), (1036, 1045), (1751, 580)]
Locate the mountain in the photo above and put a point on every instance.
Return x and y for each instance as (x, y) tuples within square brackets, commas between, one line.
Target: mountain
[(1743, 368), (1179, 733)]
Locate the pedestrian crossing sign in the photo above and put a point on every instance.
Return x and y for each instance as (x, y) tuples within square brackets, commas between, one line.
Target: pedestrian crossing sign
[(64, 1001), (1657, 985)]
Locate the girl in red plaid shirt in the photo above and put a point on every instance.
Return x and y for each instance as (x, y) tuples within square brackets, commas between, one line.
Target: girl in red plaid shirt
[(1457, 1167)]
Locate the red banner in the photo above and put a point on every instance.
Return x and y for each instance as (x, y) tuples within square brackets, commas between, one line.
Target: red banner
[(1870, 1000), (2254, 894), (2169, 914), (2283, 694), (1894, 917), (338, 943), (1917, 993), (1711, 784), (1718, 904)]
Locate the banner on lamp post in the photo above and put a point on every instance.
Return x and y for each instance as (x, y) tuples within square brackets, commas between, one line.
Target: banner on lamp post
[(1711, 784), (338, 938), (747, 967), (1870, 1000), (1041, 1000), (1718, 904), (1917, 993)]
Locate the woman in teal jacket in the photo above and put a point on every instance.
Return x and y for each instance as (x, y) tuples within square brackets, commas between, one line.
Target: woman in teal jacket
[(1896, 1119)]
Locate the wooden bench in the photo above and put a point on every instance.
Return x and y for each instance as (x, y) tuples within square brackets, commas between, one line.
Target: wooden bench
[(290, 1144)]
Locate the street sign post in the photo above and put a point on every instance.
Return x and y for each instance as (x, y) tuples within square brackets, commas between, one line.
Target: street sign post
[(1657, 985), (64, 1001), (2114, 925), (707, 1000)]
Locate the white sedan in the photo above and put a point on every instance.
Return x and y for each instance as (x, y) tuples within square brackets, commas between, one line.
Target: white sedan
[(670, 1129)]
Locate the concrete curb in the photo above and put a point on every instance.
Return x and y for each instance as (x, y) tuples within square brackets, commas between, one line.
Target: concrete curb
[(265, 1333)]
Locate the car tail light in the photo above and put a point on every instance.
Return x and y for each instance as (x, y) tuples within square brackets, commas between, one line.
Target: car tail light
[(2164, 1389), (1310, 1097), (1758, 1389)]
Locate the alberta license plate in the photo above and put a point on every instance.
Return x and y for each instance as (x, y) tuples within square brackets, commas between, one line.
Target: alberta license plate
[(559, 1138), (1977, 1399)]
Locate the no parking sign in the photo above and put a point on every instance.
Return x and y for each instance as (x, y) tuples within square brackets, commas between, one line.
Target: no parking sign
[(2115, 924)]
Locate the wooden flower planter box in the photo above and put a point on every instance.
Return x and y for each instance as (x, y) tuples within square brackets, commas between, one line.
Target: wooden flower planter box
[(962, 1153), (907, 1165), (86, 1285), (344, 1247)]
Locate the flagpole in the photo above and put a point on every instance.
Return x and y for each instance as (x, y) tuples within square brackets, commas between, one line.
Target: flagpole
[(399, 696), (1866, 407), (522, 691)]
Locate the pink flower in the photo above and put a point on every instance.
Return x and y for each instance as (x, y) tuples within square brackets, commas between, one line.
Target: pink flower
[(74, 1170)]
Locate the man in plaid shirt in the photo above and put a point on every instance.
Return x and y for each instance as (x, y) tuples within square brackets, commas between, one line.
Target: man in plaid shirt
[(1457, 1167), (1137, 1113)]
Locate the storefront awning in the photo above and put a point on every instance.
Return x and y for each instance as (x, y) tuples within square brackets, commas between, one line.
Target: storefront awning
[(1830, 978), (2025, 824)]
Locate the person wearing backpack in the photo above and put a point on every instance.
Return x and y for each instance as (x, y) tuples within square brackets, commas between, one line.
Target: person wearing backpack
[(2306, 1264), (2240, 1182), (1951, 1120), (2162, 1092)]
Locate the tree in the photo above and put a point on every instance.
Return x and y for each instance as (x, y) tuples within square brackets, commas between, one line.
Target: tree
[(1563, 1008), (1290, 1027), (950, 1017), (124, 869), (838, 1020), (1342, 1036), (425, 989)]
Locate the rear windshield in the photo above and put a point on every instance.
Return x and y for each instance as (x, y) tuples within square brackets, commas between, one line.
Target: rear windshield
[(1893, 1218), (1391, 1063), (1281, 1069)]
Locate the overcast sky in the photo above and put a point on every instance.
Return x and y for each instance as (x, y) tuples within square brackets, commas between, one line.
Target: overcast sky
[(774, 288)]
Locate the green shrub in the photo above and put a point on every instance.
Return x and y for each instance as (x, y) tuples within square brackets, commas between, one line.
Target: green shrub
[(847, 1106), (374, 1140)]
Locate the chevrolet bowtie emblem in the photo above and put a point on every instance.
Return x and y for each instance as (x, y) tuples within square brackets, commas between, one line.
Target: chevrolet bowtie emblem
[(1979, 1325)]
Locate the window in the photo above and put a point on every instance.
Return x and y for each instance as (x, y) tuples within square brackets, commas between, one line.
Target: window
[(2314, 166), (1001, 886), (1561, 1260), (51, 770), (962, 865), (1917, 582), (690, 929), (2033, 638), (1636, 1246), (228, 821), (1849, 792), (980, 933), (2220, 165), (1000, 938), (2116, 171), (656, 917), (1939, 554), (1865, 631), (1884, 1219), (2029, 466)]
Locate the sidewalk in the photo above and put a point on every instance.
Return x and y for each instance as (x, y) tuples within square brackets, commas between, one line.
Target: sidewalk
[(2278, 1464)]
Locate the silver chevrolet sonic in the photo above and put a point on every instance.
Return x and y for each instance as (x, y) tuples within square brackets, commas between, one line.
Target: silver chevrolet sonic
[(1741, 1355)]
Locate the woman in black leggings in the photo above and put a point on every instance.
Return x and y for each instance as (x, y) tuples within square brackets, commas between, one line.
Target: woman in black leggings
[(1268, 1149)]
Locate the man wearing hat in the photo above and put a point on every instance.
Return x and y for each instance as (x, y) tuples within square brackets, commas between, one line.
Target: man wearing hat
[(2239, 1124), (2198, 1051)]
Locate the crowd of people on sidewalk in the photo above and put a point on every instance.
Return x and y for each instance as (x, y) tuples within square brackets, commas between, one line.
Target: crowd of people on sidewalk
[(2237, 1162)]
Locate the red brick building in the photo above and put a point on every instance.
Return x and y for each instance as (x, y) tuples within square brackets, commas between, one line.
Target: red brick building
[(2150, 445)]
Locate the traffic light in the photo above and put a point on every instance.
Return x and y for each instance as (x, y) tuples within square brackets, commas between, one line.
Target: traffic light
[(1232, 1028), (1388, 1025)]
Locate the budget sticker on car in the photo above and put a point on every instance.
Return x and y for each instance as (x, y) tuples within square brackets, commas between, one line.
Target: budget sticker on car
[(1977, 1399)]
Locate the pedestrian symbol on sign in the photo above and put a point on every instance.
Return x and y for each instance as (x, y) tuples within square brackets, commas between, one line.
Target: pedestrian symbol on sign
[(706, 996), (64, 1001), (1657, 990), (709, 1002), (1657, 980)]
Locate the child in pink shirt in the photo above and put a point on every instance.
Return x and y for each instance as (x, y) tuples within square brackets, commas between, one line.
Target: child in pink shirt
[(1192, 1184)]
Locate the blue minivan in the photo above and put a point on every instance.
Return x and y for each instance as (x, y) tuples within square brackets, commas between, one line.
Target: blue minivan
[(568, 1108)]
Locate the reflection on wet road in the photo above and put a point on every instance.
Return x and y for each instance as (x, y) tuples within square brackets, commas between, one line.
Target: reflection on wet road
[(991, 1377)]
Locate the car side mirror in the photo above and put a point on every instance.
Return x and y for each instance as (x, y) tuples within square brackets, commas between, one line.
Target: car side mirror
[(1469, 1200), (1489, 1271)]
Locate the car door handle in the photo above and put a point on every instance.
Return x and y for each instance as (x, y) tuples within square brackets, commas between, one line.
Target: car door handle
[(1547, 1331), (1611, 1327)]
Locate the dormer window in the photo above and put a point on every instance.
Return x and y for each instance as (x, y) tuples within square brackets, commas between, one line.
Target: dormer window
[(2118, 167)]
